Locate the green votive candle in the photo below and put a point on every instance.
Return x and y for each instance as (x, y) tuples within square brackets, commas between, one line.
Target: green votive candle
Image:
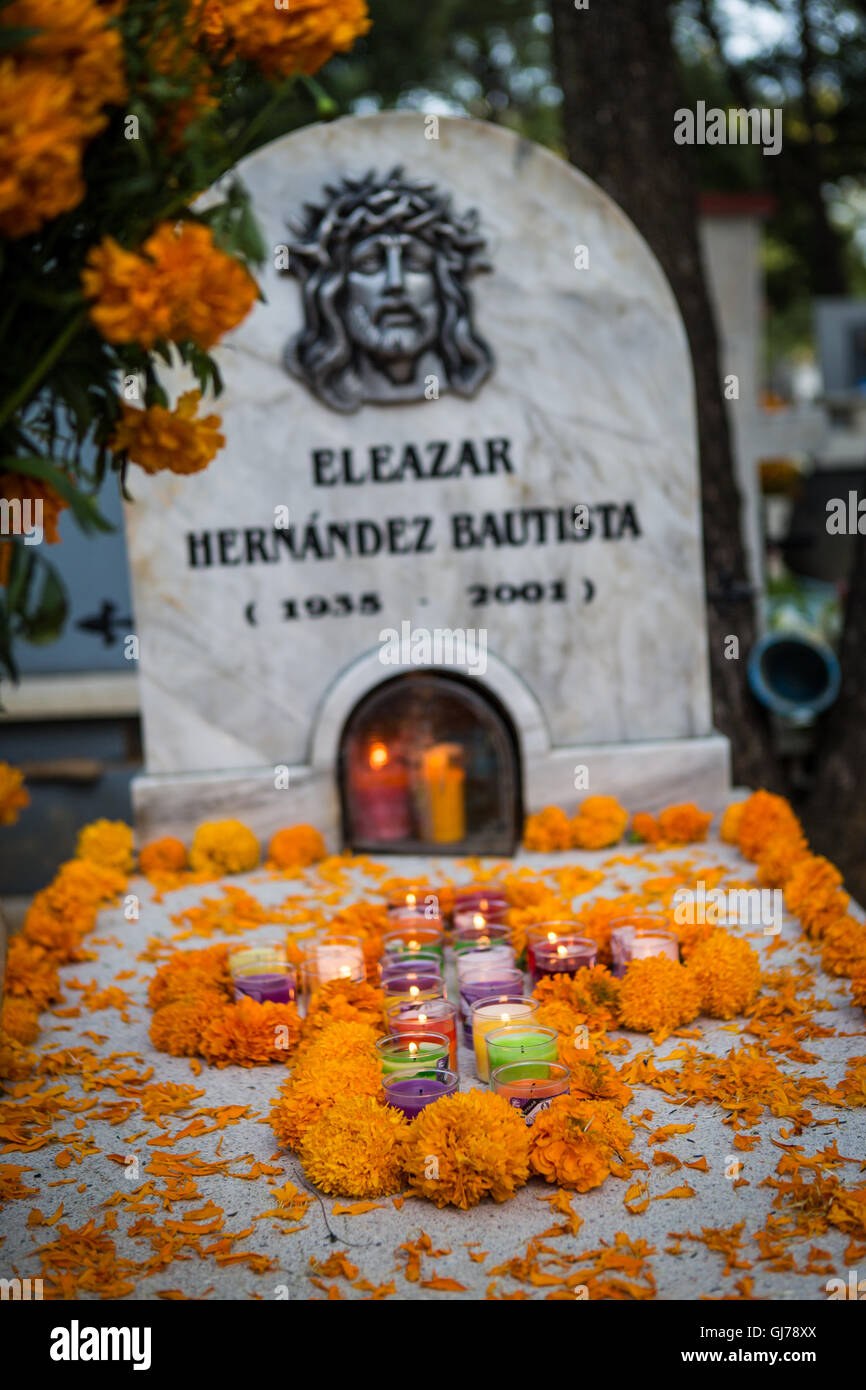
[(412, 1054), (521, 1043)]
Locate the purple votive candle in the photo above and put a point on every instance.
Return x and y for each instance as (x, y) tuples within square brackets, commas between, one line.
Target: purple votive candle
[(412, 1093), (486, 985), (565, 956), (266, 988)]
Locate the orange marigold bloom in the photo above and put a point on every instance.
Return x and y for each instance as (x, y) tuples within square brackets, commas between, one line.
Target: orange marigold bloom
[(657, 995), (591, 995), (178, 1027), (764, 816), (354, 1148), (594, 1078), (598, 919), (158, 439), (296, 847), (188, 973), (38, 499), (547, 830), (858, 987), (813, 893), (52, 89), (480, 1144), (224, 847), (315, 1084), (347, 1001), (181, 287), (248, 1032), (600, 822), (778, 858), (728, 974), (574, 1141), (167, 855), (685, 824), (20, 1020), (729, 829), (646, 827), (31, 973), (283, 42), (844, 946), (106, 842), (13, 794)]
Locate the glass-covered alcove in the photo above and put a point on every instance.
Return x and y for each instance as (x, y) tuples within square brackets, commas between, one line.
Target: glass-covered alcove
[(429, 764)]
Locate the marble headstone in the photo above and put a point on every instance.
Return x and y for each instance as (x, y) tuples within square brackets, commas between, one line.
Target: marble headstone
[(466, 403)]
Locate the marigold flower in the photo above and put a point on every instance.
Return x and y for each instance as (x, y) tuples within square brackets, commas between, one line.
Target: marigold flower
[(353, 1149), (338, 1039), (106, 842), (813, 894), (657, 995), (778, 858), (188, 973), (598, 919), (547, 830), (591, 996), (13, 794), (348, 1001), (646, 827), (593, 1078), (763, 817), (480, 1145), (224, 847), (181, 286), (37, 497), (314, 1087), (296, 847), (600, 822), (844, 944), (729, 829), (31, 973), (179, 1026), (684, 825), (728, 974), (167, 855), (283, 42), (20, 1020), (52, 89), (574, 1141), (249, 1032), (158, 439)]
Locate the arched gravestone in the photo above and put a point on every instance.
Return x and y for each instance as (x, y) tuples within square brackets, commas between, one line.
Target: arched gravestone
[(469, 342)]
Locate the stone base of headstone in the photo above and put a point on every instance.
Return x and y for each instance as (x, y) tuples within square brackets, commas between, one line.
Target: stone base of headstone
[(644, 776)]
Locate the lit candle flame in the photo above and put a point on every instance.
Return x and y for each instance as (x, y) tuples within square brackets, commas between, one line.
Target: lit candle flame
[(479, 920), (562, 951), (551, 936), (413, 1048), (422, 1018), (345, 972), (410, 899), (414, 946), (506, 1018), (414, 991), (378, 755)]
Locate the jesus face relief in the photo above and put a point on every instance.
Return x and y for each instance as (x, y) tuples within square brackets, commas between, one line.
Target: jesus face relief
[(391, 305)]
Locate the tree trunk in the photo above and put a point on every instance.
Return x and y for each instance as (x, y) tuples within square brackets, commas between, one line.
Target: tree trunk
[(835, 812), (617, 69)]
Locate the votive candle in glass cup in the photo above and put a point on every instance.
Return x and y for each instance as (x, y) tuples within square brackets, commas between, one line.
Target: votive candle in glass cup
[(482, 983), (418, 900), (487, 898), (498, 957), (339, 957), (409, 938), (412, 1093), (314, 977), (546, 931), (437, 1014), (521, 1042), (565, 956), (412, 986), (263, 973), (422, 963), (491, 1013), (478, 935), (531, 1086), (413, 1054), (644, 934)]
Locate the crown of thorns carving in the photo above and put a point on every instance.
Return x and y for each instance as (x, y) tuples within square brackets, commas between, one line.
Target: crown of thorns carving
[(360, 207)]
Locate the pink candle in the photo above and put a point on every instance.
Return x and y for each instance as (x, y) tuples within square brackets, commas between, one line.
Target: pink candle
[(435, 1015), (565, 956)]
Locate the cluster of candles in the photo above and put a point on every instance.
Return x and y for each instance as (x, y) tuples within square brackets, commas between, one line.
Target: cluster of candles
[(514, 1054)]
